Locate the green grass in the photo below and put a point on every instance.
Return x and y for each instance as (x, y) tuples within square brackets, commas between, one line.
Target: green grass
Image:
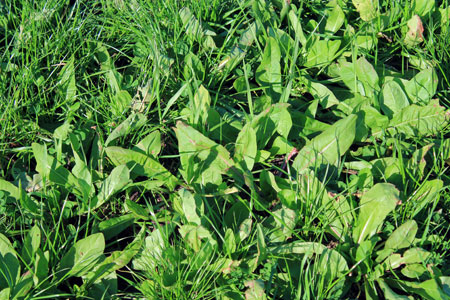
[(236, 149)]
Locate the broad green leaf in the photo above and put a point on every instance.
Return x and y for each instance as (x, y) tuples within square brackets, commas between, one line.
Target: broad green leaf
[(245, 229), (298, 247), (335, 18), (41, 260), (417, 162), (322, 93), (51, 169), (192, 205), (195, 29), (137, 210), (238, 52), (368, 76), (410, 256), (285, 220), (141, 164), (133, 122), (388, 168), (23, 286), (229, 244), (414, 36), (67, 83), (268, 74), (150, 145), (347, 73), (5, 293), (260, 243), (202, 159), (236, 214), (322, 52), (193, 26), (81, 170), (422, 87), (339, 217), (281, 146), (11, 190), (422, 7), (415, 256), (246, 147), (281, 117), (62, 132), (82, 256), (388, 293), (116, 261), (375, 205), (429, 289), (414, 271), (120, 99), (255, 290), (367, 8), (114, 226), (304, 125), (31, 244), (264, 126), (9, 264), (426, 194), (286, 42), (393, 98), (193, 67), (194, 236), (152, 251), (115, 182), (327, 147), (414, 120), (403, 236), (445, 281), (295, 23), (199, 107), (365, 41)]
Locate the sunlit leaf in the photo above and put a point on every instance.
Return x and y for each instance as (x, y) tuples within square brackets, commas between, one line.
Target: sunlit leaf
[(375, 205)]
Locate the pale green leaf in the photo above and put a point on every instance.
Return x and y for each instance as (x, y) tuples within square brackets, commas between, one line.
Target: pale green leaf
[(335, 18), (246, 147), (150, 145), (422, 87), (367, 8), (268, 74), (82, 256), (403, 236), (141, 164), (415, 121), (31, 244), (322, 52), (255, 290), (133, 122), (414, 36), (192, 205), (52, 170), (322, 93), (393, 98), (9, 264), (115, 182), (367, 76), (375, 205), (327, 147), (422, 7)]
